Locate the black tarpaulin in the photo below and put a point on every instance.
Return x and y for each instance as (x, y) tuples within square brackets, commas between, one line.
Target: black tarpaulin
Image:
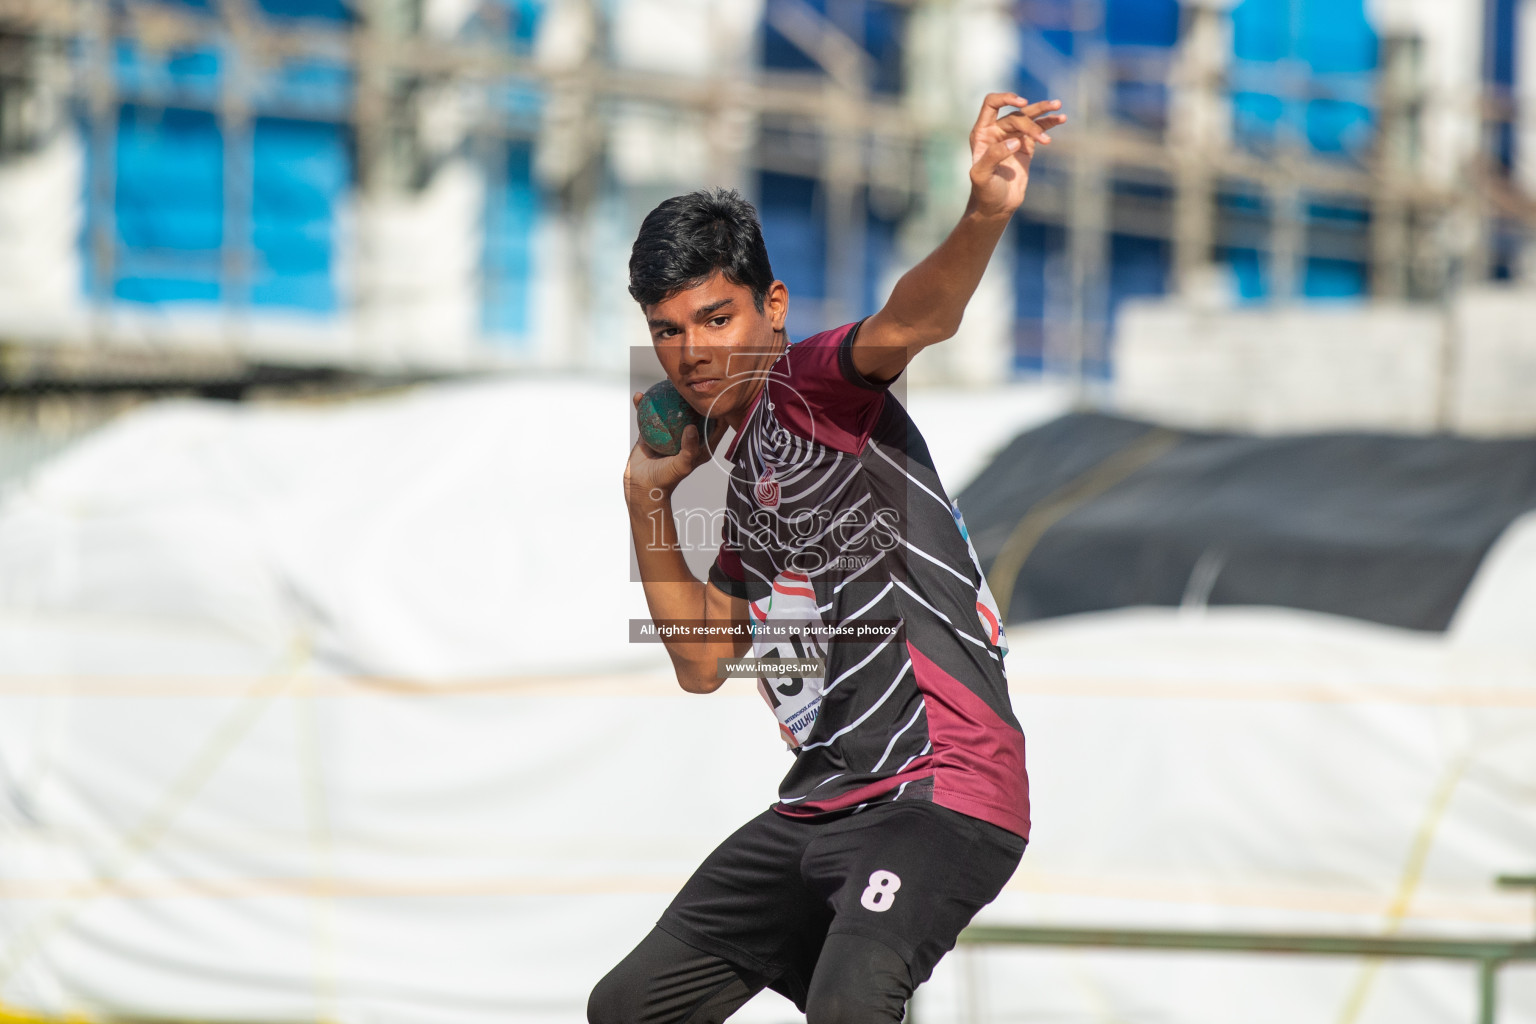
[(1093, 512)]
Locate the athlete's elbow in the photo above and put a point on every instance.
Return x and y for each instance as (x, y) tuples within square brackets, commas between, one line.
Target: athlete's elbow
[(699, 683), (935, 331), (697, 678)]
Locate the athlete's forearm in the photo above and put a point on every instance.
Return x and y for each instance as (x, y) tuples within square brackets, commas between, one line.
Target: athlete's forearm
[(673, 593), (927, 304)]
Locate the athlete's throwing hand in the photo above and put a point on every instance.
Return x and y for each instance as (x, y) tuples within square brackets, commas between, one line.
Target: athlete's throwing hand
[(1002, 146), (649, 470)]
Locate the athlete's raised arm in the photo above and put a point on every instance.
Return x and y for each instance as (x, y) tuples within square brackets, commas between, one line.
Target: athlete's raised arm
[(927, 303), (672, 592)]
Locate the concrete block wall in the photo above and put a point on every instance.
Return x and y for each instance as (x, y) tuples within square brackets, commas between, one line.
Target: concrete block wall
[(1469, 367), (1298, 369)]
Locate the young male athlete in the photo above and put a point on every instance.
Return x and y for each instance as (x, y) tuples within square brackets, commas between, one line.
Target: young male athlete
[(907, 807)]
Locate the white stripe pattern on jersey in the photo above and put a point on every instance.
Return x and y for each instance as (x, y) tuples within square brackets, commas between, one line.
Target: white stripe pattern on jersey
[(962, 634), (790, 499), (883, 591), (855, 574), (867, 659), (927, 748), (956, 573), (922, 705), (900, 469), (845, 730), (807, 796)]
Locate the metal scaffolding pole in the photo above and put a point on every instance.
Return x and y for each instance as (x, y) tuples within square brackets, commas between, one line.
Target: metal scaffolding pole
[(1197, 127), (1395, 152), (99, 37), (237, 129), (1088, 229)]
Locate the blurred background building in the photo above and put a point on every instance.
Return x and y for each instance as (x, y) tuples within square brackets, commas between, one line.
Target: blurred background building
[(451, 184)]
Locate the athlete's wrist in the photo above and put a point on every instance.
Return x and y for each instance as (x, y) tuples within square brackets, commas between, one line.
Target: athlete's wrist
[(643, 499)]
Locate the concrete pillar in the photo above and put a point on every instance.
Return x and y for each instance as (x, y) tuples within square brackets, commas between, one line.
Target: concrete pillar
[(1525, 121), (1199, 126), (956, 54), (1399, 101)]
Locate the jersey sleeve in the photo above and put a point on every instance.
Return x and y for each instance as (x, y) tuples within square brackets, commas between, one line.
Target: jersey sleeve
[(821, 396)]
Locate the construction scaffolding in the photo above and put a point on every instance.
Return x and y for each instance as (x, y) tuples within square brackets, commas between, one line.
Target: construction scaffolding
[(1150, 155)]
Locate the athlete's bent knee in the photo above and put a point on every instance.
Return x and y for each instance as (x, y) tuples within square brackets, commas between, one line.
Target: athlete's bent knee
[(858, 981), (609, 1002)]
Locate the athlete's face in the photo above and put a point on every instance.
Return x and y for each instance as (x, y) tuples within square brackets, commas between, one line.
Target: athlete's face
[(715, 343)]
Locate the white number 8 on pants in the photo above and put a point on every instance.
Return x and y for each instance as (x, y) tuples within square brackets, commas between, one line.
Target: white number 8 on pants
[(881, 892)]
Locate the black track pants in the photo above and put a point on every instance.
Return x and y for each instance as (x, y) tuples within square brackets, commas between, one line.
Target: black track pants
[(666, 981)]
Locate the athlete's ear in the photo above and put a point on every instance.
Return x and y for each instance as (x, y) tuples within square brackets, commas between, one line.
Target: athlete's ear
[(776, 305)]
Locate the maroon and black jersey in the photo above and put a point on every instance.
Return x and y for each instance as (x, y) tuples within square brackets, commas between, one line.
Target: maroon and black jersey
[(835, 520)]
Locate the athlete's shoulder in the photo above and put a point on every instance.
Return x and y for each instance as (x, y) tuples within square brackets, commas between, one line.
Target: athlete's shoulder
[(826, 356), (819, 395)]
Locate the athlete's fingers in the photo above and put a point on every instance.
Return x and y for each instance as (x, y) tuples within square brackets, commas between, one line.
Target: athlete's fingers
[(994, 155), (1034, 110), (690, 447), (1051, 121), (1017, 124), (635, 398), (993, 104)]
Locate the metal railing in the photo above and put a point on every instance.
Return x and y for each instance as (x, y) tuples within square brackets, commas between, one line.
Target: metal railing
[(1488, 954)]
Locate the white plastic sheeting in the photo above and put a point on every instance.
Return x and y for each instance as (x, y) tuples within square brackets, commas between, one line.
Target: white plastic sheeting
[(329, 713)]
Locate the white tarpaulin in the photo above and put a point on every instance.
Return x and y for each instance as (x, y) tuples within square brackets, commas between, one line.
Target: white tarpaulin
[(330, 713)]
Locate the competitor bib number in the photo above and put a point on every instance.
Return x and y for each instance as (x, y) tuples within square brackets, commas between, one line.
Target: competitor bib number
[(881, 892)]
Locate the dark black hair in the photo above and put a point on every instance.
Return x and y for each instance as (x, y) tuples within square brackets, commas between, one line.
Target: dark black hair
[(689, 237)]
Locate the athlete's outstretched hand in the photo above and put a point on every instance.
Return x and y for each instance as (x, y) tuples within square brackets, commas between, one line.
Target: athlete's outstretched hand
[(1002, 146), (648, 470)]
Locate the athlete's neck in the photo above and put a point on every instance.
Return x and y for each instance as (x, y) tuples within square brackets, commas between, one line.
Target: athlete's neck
[(759, 378)]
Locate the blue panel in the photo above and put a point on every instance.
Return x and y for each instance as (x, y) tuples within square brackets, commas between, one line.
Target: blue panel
[(884, 25), (516, 21), (1141, 22), (511, 208), (163, 286), (332, 10), (302, 169), (1499, 68), (782, 55), (169, 178), (513, 23), (1142, 103), (1250, 275), (877, 26), (525, 20), (1500, 59), (1138, 267), (795, 233), (1328, 36), (1331, 211), (1027, 85), (1334, 126), (1029, 268), (321, 88), (169, 204), (1334, 279), (1261, 30), (152, 76), (1035, 245), (1335, 36)]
